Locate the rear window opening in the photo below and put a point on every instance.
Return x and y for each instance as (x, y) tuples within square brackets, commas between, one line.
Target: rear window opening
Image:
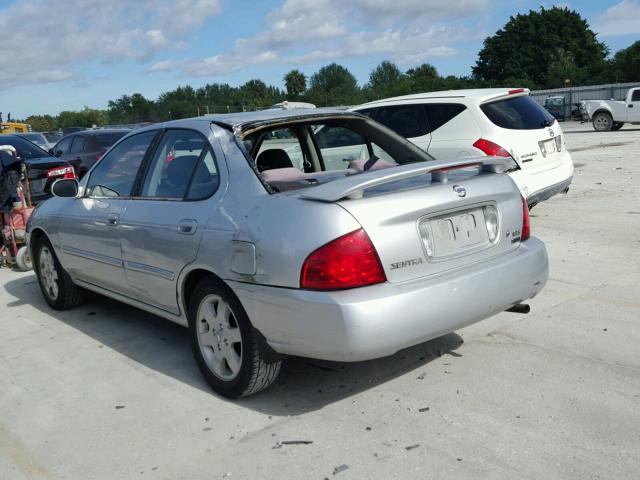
[(305, 154), (517, 113)]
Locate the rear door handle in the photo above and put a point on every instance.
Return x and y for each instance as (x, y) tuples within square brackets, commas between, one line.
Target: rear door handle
[(187, 226), (113, 219)]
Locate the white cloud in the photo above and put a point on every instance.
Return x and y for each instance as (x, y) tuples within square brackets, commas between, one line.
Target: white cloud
[(306, 31), (47, 40), (621, 19)]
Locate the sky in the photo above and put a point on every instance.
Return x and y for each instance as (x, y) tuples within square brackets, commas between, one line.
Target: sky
[(66, 54)]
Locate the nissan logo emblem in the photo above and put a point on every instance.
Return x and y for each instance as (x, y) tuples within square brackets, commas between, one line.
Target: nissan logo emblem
[(461, 191)]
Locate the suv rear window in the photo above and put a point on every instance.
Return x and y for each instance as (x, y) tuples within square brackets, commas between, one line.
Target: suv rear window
[(517, 113)]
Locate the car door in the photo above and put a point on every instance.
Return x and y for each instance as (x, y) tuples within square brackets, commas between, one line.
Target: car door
[(76, 155), (633, 107), (89, 227), (164, 221)]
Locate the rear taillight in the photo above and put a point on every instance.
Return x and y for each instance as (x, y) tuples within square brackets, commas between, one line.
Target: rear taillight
[(516, 90), (63, 172), (347, 262), (491, 149), (526, 223)]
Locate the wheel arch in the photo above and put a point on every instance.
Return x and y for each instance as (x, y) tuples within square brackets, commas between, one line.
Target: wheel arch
[(187, 285), (602, 110)]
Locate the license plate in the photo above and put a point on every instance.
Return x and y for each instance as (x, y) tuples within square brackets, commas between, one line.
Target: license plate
[(36, 186), (548, 146), (456, 233)]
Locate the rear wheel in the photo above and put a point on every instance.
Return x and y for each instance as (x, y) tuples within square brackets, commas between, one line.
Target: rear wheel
[(224, 343), (57, 287), (617, 125), (602, 122)]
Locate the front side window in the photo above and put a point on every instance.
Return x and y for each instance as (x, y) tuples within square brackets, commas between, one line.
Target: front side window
[(405, 120), (63, 146), (78, 145), (517, 113), (115, 173), (635, 96), (171, 171)]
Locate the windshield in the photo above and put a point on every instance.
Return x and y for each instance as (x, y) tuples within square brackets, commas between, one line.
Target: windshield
[(517, 113), (36, 138), (24, 148)]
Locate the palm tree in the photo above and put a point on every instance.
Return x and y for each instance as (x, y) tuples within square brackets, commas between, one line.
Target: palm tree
[(295, 82)]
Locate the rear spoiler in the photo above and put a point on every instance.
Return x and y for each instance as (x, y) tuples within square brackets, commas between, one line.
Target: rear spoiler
[(353, 186)]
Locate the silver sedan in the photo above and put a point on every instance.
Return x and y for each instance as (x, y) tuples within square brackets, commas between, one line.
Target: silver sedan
[(315, 233)]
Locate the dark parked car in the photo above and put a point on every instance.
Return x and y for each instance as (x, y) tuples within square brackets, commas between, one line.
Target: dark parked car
[(83, 149), (42, 168)]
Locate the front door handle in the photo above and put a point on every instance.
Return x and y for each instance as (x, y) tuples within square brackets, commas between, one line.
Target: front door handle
[(187, 226), (113, 219)]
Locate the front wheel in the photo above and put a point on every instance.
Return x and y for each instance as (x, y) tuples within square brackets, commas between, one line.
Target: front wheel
[(57, 287), (224, 343), (602, 122), (617, 125)]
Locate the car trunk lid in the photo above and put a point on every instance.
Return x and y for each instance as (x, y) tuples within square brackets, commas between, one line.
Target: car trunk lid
[(428, 219)]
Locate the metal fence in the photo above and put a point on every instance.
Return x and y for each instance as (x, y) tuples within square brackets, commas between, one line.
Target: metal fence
[(573, 95)]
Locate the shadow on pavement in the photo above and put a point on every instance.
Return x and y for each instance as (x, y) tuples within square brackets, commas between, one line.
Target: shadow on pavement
[(303, 385)]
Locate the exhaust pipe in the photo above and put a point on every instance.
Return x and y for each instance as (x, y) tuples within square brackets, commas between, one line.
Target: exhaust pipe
[(519, 308)]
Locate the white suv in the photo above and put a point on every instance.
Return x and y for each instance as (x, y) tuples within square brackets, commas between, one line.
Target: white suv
[(498, 121)]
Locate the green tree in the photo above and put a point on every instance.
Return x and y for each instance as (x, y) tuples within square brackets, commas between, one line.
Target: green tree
[(626, 64), (525, 46), (426, 70), (295, 83), (562, 68), (334, 85), (41, 123)]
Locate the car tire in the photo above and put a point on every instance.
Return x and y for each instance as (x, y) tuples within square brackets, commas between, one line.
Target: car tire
[(602, 122), (57, 287), (617, 125), (227, 349), (23, 259)]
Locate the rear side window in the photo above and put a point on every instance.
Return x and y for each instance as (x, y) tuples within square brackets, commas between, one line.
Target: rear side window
[(635, 96), (439, 114), (406, 120), (518, 113)]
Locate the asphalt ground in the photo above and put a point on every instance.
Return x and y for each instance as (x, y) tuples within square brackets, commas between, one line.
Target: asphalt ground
[(106, 391)]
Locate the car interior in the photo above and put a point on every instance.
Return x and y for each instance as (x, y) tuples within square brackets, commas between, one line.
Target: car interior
[(304, 154)]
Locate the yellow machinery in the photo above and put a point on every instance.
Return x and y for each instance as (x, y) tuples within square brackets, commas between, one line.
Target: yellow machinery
[(14, 127)]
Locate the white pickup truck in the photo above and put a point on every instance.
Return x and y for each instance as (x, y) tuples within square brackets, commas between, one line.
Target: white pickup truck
[(612, 114)]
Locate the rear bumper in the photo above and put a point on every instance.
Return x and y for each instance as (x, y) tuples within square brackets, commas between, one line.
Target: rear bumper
[(377, 321), (538, 185)]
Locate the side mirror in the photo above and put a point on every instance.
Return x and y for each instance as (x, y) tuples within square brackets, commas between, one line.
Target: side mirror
[(65, 188)]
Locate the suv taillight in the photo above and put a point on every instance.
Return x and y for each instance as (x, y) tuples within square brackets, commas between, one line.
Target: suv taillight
[(62, 172), (526, 222), (491, 149), (347, 262)]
